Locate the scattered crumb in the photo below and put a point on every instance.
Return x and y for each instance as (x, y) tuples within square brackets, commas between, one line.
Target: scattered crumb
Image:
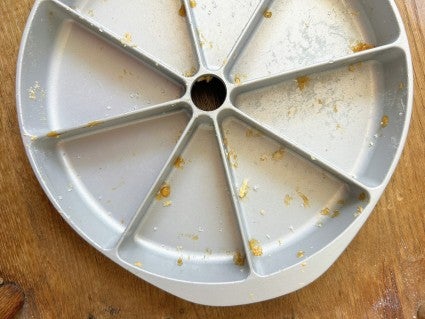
[(182, 11), (320, 101), (262, 212), (192, 3), (300, 254), (233, 158), (179, 162), (362, 197), (385, 121), (195, 237), (191, 72), (288, 199), (325, 211), (304, 264), (36, 92), (336, 110), (255, 247), (127, 40), (341, 202), (303, 82), (358, 211), (94, 123), (238, 259), (53, 134), (335, 213), (167, 203), (138, 264), (354, 66), (180, 262), (306, 201), (237, 80), (243, 190), (361, 46), (401, 86), (267, 14), (252, 133), (164, 191), (278, 155), (263, 158)]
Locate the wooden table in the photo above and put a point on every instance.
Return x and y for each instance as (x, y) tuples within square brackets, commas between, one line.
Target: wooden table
[(381, 274)]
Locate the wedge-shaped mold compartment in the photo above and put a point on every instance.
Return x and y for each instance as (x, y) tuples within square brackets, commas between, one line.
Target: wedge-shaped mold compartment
[(299, 33), (323, 112), (189, 231), (291, 207)]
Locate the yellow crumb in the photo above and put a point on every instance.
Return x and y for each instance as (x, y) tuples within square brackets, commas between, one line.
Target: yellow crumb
[(361, 46), (179, 162), (278, 155), (138, 264), (385, 121), (243, 190), (288, 199), (303, 82), (300, 254), (53, 134), (325, 211), (164, 192), (238, 259), (167, 203), (335, 213), (182, 11), (237, 80), (362, 197), (255, 247), (192, 3), (306, 201), (267, 14), (94, 123), (180, 262)]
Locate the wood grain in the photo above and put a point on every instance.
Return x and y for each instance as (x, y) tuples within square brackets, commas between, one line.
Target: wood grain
[(381, 274)]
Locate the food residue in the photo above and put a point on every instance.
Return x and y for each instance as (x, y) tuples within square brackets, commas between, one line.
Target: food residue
[(300, 254), (288, 199), (325, 211), (192, 3), (182, 11), (341, 202), (335, 213), (34, 91), (53, 134), (93, 123), (252, 133), (238, 259), (361, 46), (179, 162), (362, 196), (243, 190), (263, 157), (127, 40), (237, 80), (191, 72), (303, 82), (306, 201), (233, 158), (180, 262), (267, 14), (278, 155), (167, 203), (138, 264), (255, 247), (358, 211), (385, 121), (164, 191)]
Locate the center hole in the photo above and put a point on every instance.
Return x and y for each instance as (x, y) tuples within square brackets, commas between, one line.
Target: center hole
[(208, 92)]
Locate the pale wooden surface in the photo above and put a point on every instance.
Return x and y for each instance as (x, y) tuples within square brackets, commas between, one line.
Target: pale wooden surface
[(381, 275)]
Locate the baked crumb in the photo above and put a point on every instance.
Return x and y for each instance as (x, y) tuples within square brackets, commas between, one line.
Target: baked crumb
[(233, 158), (335, 213), (138, 264), (180, 262), (94, 123), (305, 199), (341, 202), (53, 134), (358, 211), (192, 3), (278, 155), (385, 121), (362, 197), (182, 11), (252, 133), (267, 14), (243, 190), (255, 247), (303, 82), (167, 203), (263, 157), (300, 253), (288, 199), (191, 72), (237, 80), (401, 86), (127, 40), (239, 259), (325, 211), (179, 162), (164, 191), (361, 46)]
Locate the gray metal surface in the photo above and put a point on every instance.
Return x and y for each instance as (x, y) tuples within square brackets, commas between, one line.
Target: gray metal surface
[(250, 201)]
